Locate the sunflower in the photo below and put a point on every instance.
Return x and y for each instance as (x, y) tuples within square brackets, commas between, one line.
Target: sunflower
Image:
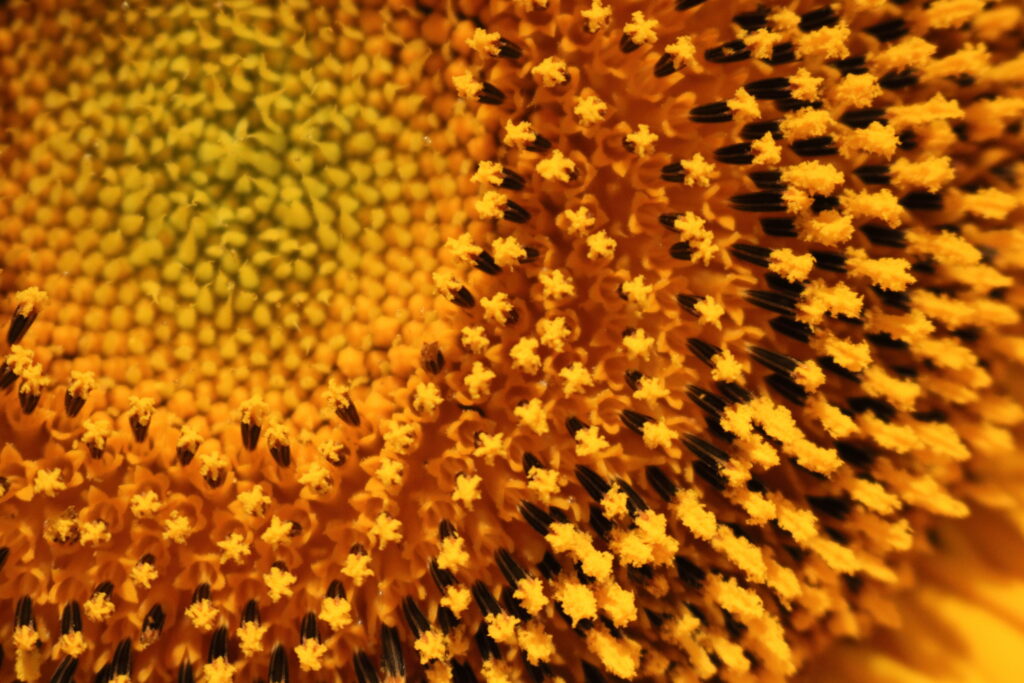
[(518, 340)]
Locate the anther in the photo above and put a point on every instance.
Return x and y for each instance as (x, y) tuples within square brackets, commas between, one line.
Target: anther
[(447, 530), (775, 302), (739, 154), (278, 671), (28, 399), (783, 53), (511, 570), (251, 613), (818, 146), (862, 118), (431, 358), (364, 668), (443, 578), (336, 590), (218, 645), (889, 30), (490, 94), (673, 173), (758, 202), (689, 573), (751, 253), (856, 65), (152, 624), (787, 388), (71, 618), (202, 592), (791, 328), (753, 20), (769, 88), (661, 483), (732, 51), (714, 112), (23, 613), (594, 483), (574, 425), (921, 201), (308, 628), (710, 403), (122, 663), (778, 227), (485, 262), (185, 674), (391, 648), (65, 671), (535, 517), (634, 420), (755, 130), (897, 80), (818, 18), (530, 461), (414, 617), (873, 174), (633, 378)]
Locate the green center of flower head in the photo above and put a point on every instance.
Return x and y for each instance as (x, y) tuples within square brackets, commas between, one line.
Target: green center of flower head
[(217, 196)]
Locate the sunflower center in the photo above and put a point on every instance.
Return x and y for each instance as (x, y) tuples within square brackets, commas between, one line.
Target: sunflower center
[(220, 196)]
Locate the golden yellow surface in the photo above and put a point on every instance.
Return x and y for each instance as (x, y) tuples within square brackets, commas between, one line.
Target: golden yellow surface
[(510, 340)]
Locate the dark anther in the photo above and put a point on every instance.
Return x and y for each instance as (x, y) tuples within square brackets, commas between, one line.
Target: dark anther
[(71, 618), (751, 253), (105, 674), (769, 88), (308, 629), (463, 298), (139, 430), (634, 501), (634, 420), (665, 66), (511, 570), (702, 350), (508, 49), (23, 613), (516, 213), (539, 144), (414, 617), (601, 525), (688, 303), (154, 621), (278, 672), (668, 220), (218, 644), (65, 671), (824, 203), (593, 482), (753, 20), (704, 450), (688, 4), (862, 118), (882, 409), (733, 392), (851, 65), (535, 517), (778, 362), (739, 154), (818, 18), (365, 672), (574, 424), (391, 649), (733, 51), (549, 566), (681, 251), (106, 588), (490, 94), (793, 104), (758, 202), (787, 388), (883, 236), (250, 435), (202, 592), (689, 573), (336, 590), (829, 260), (819, 146), (896, 80), (661, 483), (19, 325), (442, 577), (510, 180), (633, 378), (889, 30), (627, 45), (530, 461), (7, 375), (122, 663), (281, 453), (830, 366), (922, 201), (447, 530), (346, 410), (775, 302), (29, 400), (714, 112), (488, 605), (73, 403), (251, 613), (791, 328), (446, 619), (485, 644), (185, 674), (778, 227), (756, 129), (485, 262), (184, 454), (705, 400), (873, 174), (783, 53), (767, 180), (833, 507)]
